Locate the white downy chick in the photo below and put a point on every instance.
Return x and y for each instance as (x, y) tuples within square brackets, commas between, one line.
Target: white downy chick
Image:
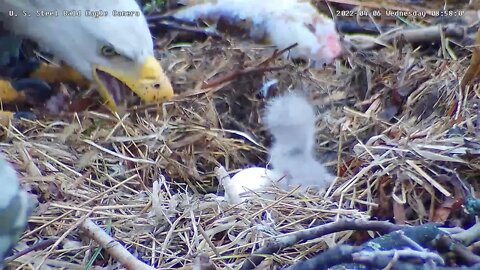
[(284, 22), (290, 118), (15, 208)]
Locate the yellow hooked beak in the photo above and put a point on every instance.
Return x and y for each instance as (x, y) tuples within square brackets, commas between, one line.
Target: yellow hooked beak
[(148, 81)]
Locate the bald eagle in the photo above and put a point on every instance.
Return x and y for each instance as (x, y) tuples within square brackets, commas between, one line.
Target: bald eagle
[(15, 208), (107, 42)]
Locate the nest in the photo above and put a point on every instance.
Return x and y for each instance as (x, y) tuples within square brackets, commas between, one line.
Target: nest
[(394, 126)]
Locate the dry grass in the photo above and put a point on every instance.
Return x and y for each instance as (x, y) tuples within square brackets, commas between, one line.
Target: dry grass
[(394, 125)]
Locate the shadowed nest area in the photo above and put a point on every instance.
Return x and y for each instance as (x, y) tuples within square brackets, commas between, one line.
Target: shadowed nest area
[(393, 124)]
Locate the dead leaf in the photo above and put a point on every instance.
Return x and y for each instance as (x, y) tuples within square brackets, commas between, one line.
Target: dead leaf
[(350, 165), (443, 211), (395, 133), (384, 201), (473, 70)]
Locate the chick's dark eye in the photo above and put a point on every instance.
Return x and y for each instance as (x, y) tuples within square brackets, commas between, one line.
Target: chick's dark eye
[(108, 51)]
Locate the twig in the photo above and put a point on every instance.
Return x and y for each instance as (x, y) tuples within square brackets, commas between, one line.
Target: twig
[(208, 240), (290, 239), (410, 241), (371, 256), (421, 235), (171, 18), (101, 148), (468, 236), (225, 180), (65, 234), (197, 30), (429, 34), (260, 68), (331, 257), (276, 54), (113, 247), (172, 22), (81, 205), (354, 27), (241, 72), (451, 243), (466, 255), (420, 35), (37, 246)]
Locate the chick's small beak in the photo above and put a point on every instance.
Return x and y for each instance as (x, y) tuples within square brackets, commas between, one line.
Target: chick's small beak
[(148, 81)]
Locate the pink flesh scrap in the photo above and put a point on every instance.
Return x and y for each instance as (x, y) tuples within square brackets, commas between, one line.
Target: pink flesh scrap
[(330, 50), (334, 45)]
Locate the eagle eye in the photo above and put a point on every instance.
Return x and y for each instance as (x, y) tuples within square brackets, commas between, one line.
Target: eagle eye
[(108, 51)]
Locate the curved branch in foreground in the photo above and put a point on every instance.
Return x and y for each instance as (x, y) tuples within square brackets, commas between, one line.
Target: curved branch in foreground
[(382, 252), (286, 240), (376, 260)]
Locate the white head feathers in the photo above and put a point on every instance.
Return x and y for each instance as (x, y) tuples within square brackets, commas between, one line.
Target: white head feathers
[(78, 39)]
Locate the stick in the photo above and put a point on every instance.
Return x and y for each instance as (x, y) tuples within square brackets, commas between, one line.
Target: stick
[(197, 30), (277, 54), (421, 35), (113, 247), (282, 241), (37, 246), (171, 18), (260, 68), (468, 236), (346, 255)]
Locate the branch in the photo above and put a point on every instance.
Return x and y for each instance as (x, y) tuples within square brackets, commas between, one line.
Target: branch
[(113, 247), (191, 29), (334, 256), (468, 236), (380, 250), (372, 256), (420, 35), (170, 18), (276, 54), (290, 239), (37, 246), (453, 243), (260, 68), (342, 255)]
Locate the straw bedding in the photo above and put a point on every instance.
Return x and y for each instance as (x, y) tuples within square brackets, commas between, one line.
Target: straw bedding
[(394, 125)]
